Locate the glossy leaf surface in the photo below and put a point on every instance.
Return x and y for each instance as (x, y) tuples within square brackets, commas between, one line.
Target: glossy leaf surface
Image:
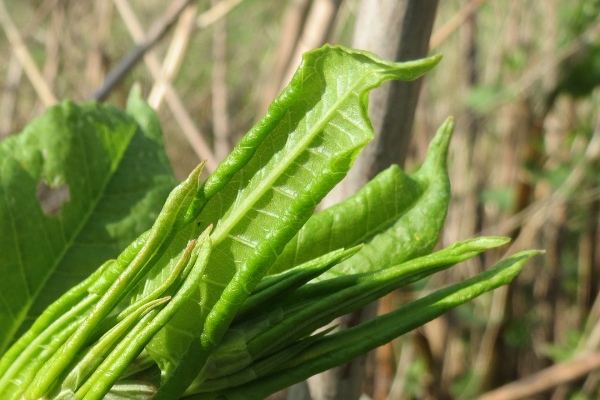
[(339, 348), (282, 325), (397, 216), (279, 172), (228, 286)]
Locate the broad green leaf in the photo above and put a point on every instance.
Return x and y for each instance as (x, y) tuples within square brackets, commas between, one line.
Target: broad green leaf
[(114, 176), (74, 334), (341, 347), (416, 232), (387, 214), (375, 208), (277, 175), (122, 281)]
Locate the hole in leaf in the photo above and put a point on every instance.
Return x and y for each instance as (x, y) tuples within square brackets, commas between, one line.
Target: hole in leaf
[(52, 198)]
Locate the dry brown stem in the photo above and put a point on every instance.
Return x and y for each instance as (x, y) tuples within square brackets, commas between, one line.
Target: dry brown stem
[(175, 54), (31, 70), (191, 131), (215, 13), (452, 25), (187, 24), (293, 21), (9, 95), (96, 68), (219, 90), (144, 42), (51, 61), (545, 379)]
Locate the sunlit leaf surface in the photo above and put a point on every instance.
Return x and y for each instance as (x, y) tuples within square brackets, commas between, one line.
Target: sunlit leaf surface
[(76, 186)]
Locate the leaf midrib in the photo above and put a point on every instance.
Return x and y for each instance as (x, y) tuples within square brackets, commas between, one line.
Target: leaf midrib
[(223, 230)]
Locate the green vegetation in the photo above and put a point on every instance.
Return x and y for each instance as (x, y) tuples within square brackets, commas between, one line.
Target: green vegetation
[(224, 295)]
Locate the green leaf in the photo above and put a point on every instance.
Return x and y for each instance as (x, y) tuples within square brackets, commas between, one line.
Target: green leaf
[(113, 175), (323, 301), (285, 321), (126, 350), (416, 231), (276, 286), (387, 214), (375, 208), (276, 176), (27, 356), (75, 333), (123, 279), (341, 347)]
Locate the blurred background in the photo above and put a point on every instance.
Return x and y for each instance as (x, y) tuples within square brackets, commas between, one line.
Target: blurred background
[(521, 79)]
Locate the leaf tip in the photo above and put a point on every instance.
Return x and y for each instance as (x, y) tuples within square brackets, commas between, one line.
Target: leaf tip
[(438, 149), (135, 95), (436, 58)]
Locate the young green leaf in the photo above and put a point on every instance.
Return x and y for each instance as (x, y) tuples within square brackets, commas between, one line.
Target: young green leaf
[(341, 347), (24, 359), (165, 228), (356, 220), (282, 323), (177, 306), (351, 292), (98, 385), (305, 144), (274, 287), (417, 231), (94, 355), (387, 214)]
